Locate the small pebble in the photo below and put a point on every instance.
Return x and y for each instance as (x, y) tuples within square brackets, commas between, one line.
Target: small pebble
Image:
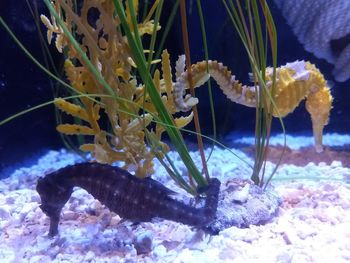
[(159, 251), (335, 164), (5, 212), (143, 243)]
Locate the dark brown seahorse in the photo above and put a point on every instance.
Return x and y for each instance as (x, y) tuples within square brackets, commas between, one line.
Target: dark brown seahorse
[(132, 198)]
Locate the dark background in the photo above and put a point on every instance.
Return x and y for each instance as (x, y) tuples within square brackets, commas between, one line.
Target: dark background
[(23, 84)]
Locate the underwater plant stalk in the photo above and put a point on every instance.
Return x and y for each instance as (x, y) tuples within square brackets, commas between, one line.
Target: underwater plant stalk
[(131, 8), (150, 137), (154, 34), (210, 93), (253, 41), (30, 56), (271, 30), (264, 117), (188, 66), (165, 32), (150, 88), (49, 63), (164, 116), (174, 173)]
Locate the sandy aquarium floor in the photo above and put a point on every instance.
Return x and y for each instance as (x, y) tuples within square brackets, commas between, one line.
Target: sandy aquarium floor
[(312, 224)]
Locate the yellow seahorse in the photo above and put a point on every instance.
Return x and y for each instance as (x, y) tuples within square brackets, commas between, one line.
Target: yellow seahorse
[(295, 82)]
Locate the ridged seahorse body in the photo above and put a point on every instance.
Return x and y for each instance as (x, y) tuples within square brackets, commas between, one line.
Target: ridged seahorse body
[(294, 82), (132, 198)]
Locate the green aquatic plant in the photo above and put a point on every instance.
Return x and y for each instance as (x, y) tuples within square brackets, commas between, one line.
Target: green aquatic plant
[(258, 36)]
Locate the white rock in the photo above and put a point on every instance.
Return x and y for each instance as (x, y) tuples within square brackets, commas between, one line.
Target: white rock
[(143, 242), (39, 259), (335, 164), (69, 215), (89, 257), (5, 212), (159, 251), (26, 209), (10, 200), (241, 195), (7, 254), (305, 230)]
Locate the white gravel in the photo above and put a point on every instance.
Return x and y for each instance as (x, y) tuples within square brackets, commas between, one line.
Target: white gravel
[(313, 224)]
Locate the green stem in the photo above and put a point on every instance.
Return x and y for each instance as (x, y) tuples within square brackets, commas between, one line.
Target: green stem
[(174, 134)]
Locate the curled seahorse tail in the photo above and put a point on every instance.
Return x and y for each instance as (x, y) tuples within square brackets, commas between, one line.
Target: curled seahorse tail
[(211, 201), (319, 105), (197, 217)]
